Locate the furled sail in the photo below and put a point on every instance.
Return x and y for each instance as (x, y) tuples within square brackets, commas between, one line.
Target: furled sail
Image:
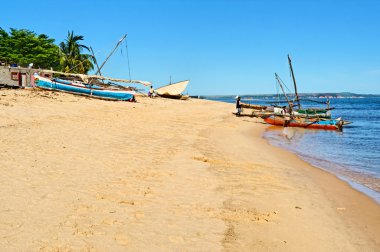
[(173, 89), (86, 78)]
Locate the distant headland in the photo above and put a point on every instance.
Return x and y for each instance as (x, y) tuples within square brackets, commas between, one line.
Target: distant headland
[(329, 95)]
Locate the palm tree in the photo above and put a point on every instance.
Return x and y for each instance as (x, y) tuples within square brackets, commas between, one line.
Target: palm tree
[(71, 57)]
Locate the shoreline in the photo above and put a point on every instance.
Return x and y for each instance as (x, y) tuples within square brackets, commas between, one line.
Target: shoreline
[(328, 166), (349, 202), (80, 173), (341, 172)]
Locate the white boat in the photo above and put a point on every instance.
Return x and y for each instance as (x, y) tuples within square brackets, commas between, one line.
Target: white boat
[(173, 90)]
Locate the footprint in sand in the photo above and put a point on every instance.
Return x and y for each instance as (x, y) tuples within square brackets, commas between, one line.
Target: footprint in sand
[(139, 215), (127, 202), (176, 239), (122, 239), (109, 222)]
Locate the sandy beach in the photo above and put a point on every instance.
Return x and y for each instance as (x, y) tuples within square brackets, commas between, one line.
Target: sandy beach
[(81, 174)]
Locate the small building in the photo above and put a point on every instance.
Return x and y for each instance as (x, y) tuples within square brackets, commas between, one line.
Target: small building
[(17, 77)]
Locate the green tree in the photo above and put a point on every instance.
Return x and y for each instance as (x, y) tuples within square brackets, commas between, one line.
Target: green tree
[(71, 57), (22, 46)]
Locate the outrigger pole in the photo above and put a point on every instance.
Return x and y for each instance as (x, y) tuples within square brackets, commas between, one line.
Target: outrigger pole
[(114, 49), (294, 82)]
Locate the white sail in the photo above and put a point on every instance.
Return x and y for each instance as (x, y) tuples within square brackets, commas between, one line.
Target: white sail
[(173, 89)]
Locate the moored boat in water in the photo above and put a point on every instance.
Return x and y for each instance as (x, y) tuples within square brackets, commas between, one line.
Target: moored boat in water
[(309, 123), (295, 116)]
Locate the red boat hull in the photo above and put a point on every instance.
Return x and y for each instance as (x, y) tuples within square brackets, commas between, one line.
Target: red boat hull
[(279, 121)]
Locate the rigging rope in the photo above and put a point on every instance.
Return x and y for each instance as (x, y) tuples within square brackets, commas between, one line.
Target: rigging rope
[(129, 68), (278, 91), (282, 82)]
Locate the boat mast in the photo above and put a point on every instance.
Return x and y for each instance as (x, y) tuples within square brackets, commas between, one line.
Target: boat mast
[(282, 88), (294, 82), (114, 49)]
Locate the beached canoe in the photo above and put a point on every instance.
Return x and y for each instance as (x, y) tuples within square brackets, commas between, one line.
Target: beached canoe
[(326, 124), (81, 88), (178, 97)]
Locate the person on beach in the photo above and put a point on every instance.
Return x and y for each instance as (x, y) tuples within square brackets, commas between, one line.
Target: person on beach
[(151, 92), (290, 108), (238, 106), (284, 112)]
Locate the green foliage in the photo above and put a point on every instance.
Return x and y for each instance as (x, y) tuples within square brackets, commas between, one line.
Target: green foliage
[(23, 47), (71, 57)]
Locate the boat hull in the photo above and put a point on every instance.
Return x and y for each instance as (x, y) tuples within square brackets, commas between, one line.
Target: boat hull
[(82, 89), (330, 124), (178, 97)]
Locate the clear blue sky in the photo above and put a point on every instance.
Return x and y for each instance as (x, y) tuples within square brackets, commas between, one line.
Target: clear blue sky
[(222, 46)]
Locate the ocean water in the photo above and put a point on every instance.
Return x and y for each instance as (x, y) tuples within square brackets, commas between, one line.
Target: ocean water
[(353, 154)]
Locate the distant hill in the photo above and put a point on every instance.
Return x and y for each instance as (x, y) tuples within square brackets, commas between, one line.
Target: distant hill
[(302, 95), (337, 95)]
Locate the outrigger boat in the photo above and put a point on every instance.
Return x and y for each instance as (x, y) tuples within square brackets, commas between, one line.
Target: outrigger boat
[(309, 123), (294, 105), (86, 88), (312, 118)]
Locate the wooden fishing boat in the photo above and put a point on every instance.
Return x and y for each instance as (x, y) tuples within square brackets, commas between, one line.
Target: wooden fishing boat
[(173, 91), (309, 123), (82, 88)]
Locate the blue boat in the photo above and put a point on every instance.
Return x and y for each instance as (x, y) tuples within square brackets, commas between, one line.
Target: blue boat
[(84, 89)]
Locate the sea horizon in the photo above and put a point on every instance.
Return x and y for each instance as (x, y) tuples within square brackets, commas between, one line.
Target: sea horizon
[(351, 95)]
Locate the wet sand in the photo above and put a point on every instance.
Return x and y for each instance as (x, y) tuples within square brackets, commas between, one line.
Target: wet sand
[(82, 174)]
